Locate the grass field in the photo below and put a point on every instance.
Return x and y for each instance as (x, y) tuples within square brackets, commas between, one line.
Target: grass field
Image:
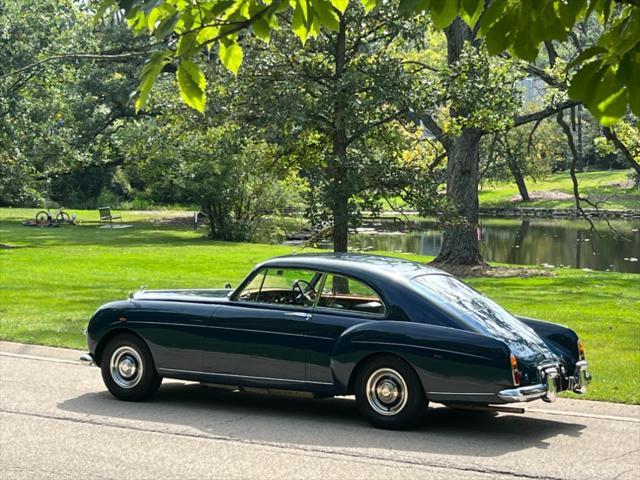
[(56, 277), (594, 185)]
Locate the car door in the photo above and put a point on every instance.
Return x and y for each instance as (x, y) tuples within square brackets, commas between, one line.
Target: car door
[(343, 302), (261, 335)]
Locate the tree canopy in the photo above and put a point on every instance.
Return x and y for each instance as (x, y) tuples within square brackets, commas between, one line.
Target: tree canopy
[(603, 76)]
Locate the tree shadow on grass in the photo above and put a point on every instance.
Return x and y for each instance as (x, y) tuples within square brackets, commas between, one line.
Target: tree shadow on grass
[(330, 423)]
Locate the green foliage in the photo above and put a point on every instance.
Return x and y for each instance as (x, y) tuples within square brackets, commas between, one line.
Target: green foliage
[(230, 54), (629, 135), (236, 185), (606, 80), (230, 177), (60, 114), (17, 185), (192, 85), (150, 72), (480, 91), (523, 151)]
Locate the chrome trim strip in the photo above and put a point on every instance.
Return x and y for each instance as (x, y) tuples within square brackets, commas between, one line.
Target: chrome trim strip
[(352, 313), (421, 347), (169, 370), (460, 393), (280, 307), (138, 322)]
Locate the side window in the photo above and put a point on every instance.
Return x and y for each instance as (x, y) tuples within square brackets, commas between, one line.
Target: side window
[(283, 286), (344, 293)]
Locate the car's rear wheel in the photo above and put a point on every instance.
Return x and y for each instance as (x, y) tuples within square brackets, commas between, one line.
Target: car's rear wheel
[(128, 370), (389, 393)]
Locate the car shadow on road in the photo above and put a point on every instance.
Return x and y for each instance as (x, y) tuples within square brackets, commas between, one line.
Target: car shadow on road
[(333, 423)]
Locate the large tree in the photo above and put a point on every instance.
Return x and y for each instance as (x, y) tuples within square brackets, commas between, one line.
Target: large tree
[(477, 95), (337, 107)]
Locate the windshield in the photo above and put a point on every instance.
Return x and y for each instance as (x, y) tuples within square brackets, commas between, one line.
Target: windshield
[(490, 317)]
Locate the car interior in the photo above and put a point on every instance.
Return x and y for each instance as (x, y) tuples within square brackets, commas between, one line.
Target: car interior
[(300, 287)]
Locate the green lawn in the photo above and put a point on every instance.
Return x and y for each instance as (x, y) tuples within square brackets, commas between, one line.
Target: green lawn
[(594, 185), (52, 283)]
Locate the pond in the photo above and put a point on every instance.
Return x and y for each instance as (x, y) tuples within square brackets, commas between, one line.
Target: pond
[(530, 241)]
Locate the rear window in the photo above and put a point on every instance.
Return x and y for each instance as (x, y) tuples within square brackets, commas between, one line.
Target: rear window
[(487, 314)]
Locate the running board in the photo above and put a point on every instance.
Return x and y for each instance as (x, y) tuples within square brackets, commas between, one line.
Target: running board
[(487, 408), (261, 391)]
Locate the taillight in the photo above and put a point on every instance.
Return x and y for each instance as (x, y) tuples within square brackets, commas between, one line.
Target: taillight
[(580, 350), (515, 373)]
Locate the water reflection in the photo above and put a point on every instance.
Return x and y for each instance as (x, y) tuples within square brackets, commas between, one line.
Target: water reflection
[(534, 241)]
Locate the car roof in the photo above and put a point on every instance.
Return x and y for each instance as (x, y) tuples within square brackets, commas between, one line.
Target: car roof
[(353, 264)]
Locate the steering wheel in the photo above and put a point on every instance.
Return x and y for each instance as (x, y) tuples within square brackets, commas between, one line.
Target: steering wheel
[(302, 295)]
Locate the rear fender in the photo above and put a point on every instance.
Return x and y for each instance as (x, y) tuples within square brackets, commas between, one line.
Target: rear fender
[(445, 359), (561, 340)]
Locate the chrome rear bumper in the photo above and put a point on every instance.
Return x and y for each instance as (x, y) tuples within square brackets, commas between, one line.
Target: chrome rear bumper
[(581, 378), (523, 394), (548, 389)]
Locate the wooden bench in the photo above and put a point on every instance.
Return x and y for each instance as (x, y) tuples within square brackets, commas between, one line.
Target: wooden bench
[(107, 216)]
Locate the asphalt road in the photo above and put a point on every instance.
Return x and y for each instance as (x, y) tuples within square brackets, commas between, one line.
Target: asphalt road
[(58, 421)]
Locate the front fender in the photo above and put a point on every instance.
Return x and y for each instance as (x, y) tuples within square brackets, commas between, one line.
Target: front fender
[(446, 359), (103, 321)]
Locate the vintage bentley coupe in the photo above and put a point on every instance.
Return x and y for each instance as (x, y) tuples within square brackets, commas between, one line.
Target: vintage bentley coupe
[(395, 333)]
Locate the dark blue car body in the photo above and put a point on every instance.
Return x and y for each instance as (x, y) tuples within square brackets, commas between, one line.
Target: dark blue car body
[(460, 344)]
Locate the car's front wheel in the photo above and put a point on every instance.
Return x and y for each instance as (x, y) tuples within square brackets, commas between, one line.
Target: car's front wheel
[(128, 370), (389, 393)]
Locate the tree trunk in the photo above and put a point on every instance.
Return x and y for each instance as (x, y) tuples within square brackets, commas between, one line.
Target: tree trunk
[(337, 162), (340, 207), (579, 139), (514, 168), (460, 244)]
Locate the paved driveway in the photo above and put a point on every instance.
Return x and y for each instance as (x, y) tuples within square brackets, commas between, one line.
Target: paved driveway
[(58, 421)]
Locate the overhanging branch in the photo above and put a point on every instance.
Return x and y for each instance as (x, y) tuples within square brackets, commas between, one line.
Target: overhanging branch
[(76, 56), (544, 113)]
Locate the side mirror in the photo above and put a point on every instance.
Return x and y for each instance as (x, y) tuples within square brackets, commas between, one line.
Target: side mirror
[(227, 285)]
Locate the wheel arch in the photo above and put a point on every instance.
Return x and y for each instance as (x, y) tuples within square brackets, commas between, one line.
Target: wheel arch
[(111, 334), (368, 358)]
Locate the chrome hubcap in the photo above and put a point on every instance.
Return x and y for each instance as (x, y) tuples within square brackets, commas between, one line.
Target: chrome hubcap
[(387, 391), (126, 367)]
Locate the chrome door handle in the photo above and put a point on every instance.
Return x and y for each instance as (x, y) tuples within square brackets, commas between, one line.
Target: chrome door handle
[(298, 314)]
